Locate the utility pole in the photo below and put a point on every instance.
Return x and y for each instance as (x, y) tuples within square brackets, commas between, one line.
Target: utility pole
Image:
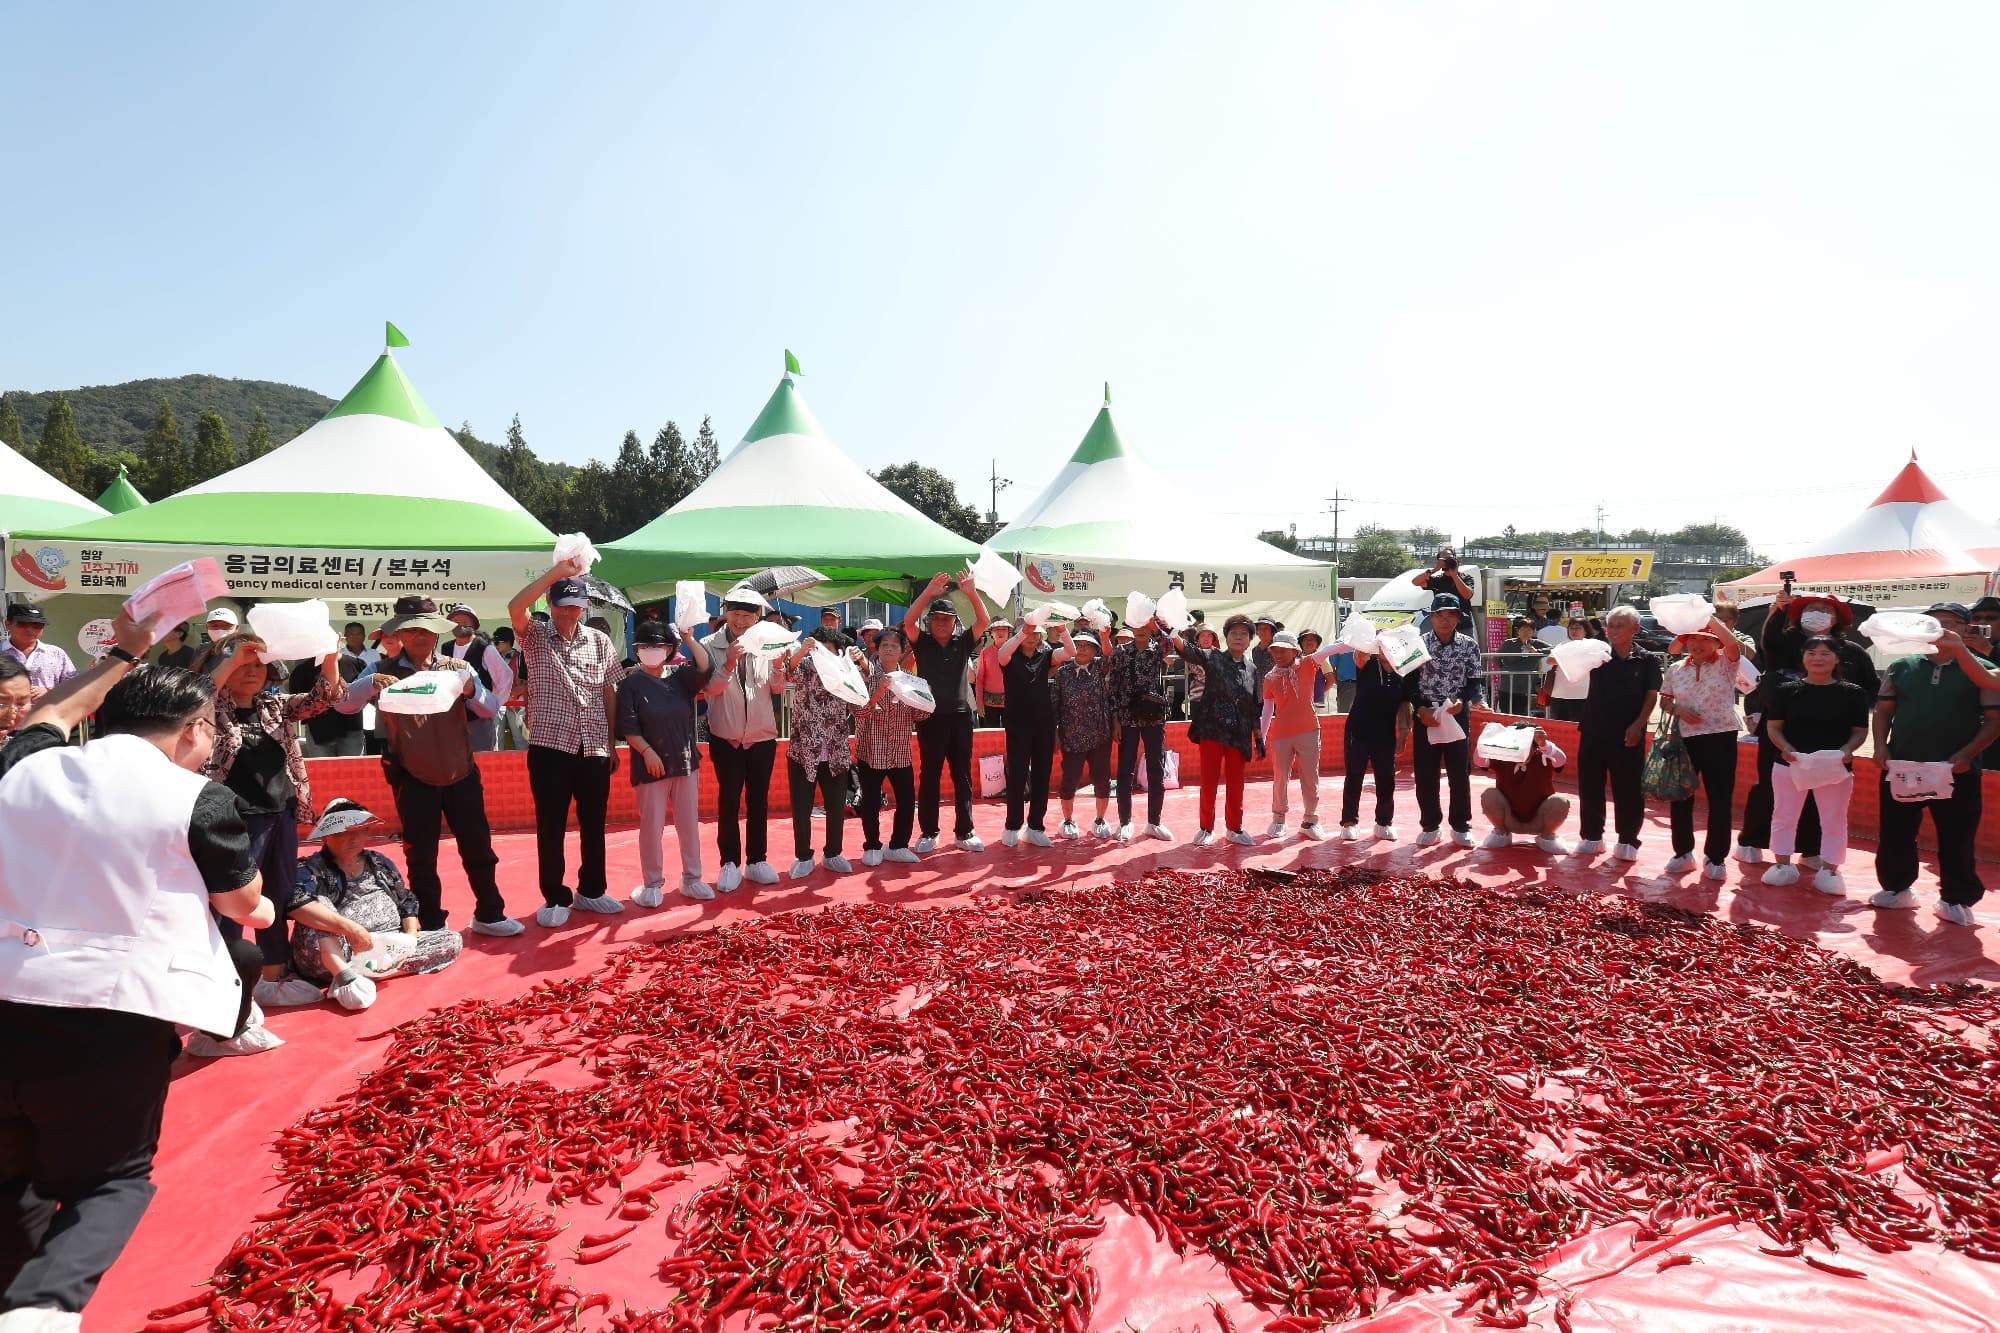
[(1600, 522), (999, 484), (1336, 501)]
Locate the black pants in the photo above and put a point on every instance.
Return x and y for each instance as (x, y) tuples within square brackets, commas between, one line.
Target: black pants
[(274, 846), (1566, 710), (1602, 755), (76, 1165), (1154, 737), (742, 784), (422, 808), (1714, 759), (1364, 752), (832, 785), (993, 715), (901, 781), (1757, 807), (1957, 823), (1455, 758), (557, 780), (1031, 754), (945, 738)]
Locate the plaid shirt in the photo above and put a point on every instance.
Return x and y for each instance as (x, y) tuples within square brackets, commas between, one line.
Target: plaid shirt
[(566, 680), (882, 729)]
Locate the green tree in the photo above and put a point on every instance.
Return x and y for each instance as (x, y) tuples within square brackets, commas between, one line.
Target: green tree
[(1427, 539), (669, 460), (213, 452), (933, 495), (104, 469), (705, 457), (258, 442), (11, 433), (63, 454), (1376, 555), (1284, 541), (587, 500), (633, 501), (526, 478), (166, 469)]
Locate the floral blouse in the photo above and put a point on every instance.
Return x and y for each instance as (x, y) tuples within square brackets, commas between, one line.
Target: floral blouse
[(1231, 703), (1710, 689), (1082, 705), (278, 716), (820, 723)]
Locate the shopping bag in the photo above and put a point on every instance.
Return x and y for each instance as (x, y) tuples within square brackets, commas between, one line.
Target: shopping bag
[(422, 693), (992, 775), (841, 677), (1913, 780), (912, 689), (1577, 658), (1172, 610), (1097, 613), (390, 951), (1682, 613), (1170, 772), (1402, 646), (1816, 769), (1359, 634), (1669, 770), (1445, 730), (576, 546), (768, 640), (1747, 675), (1509, 745), (690, 604), (294, 629)]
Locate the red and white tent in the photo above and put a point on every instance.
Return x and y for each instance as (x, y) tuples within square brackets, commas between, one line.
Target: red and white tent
[(1912, 545)]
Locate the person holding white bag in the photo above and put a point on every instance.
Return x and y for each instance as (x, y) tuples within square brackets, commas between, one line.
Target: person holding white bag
[(882, 730), (1026, 663), (1292, 734), (1444, 691), (656, 706), (817, 754), (1819, 714), (1699, 692)]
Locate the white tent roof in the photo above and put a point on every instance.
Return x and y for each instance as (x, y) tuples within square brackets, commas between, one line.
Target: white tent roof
[(31, 499)]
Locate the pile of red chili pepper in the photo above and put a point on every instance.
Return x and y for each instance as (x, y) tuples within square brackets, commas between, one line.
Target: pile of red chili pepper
[(1344, 1087)]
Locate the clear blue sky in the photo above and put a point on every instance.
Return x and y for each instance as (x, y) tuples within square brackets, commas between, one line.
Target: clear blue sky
[(1473, 264)]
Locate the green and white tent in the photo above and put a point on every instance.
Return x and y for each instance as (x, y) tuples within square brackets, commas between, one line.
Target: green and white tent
[(787, 495), (1111, 523), (121, 494), (31, 499), (374, 501)]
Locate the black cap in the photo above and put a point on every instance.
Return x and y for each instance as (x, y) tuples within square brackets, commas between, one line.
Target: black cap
[(1987, 604), (943, 607), (654, 631), (21, 613), (569, 592)]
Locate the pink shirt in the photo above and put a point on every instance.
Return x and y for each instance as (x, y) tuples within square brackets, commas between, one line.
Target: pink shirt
[(1290, 691)]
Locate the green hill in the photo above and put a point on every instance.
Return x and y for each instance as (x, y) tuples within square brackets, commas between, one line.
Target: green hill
[(111, 417)]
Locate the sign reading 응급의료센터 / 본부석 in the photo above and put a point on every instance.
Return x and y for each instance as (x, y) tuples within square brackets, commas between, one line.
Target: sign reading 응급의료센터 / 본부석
[(57, 568), (1597, 567), (1054, 575)]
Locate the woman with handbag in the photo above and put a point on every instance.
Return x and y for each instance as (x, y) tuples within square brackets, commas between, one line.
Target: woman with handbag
[(1699, 694)]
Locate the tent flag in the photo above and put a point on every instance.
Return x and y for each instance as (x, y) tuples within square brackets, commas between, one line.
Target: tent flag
[(1107, 393), (395, 336), (792, 363)]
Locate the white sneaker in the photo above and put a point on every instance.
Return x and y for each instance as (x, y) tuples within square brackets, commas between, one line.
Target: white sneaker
[(926, 845), (1240, 838), (1350, 833), (730, 879), (1626, 851), (1680, 865), (1461, 837), (354, 995), (1554, 846), (1100, 830), (41, 1319), (697, 890), (1749, 856), (802, 867), (1780, 876), (1125, 833), (1715, 870), (1276, 829), (1811, 862), (1829, 882), (1496, 840), (1312, 832), (1203, 837), (760, 872), (1428, 837), (551, 917), (1037, 838), (287, 992), (1160, 831), (255, 1040), (603, 904), (1900, 900), (1956, 913), (872, 857), (649, 895), (503, 928), (1590, 847), (1010, 838), (1387, 832), (1069, 830), (969, 843), (901, 855)]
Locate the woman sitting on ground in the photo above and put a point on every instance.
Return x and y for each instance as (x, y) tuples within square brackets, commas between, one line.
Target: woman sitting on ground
[(348, 899)]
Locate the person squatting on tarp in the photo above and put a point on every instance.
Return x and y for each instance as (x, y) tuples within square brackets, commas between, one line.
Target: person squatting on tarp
[(1699, 693), (656, 716), (942, 648), (1611, 739), (1026, 663), (115, 859), (1523, 798)]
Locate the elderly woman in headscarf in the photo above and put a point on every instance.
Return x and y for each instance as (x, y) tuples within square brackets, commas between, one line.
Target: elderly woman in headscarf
[(349, 900), (1699, 693)]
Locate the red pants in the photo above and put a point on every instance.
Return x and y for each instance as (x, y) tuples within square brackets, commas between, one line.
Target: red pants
[(1224, 764)]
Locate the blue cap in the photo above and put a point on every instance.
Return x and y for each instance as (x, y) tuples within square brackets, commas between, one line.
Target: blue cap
[(1446, 601), (568, 592), (1950, 609)]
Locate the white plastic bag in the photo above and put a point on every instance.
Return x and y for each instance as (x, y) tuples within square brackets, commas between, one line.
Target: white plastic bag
[(1170, 772), (841, 677), (180, 594), (424, 693), (912, 689), (574, 545), (294, 629), (1509, 745), (994, 576), (1139, 608), (1402, 646), (768, 640), (1901, 628), (992, 775), (1097, 613), (1577, 658), (1912, 780), (1445, 730), (1173, 609), (1359, 633), (690, 604), (392, 949), (1682, 613), (1818, 768), (1747, 675), (1056, 611)]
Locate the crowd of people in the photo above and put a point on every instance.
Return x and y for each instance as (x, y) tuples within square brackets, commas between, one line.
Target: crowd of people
[(201, 912)]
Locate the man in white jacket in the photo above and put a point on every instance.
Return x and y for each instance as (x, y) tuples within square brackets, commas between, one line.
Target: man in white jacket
[(114, 859)]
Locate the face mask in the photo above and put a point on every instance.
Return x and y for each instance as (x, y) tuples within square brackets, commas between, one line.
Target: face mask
[(1816, 622), (217, 635), (653, 656)]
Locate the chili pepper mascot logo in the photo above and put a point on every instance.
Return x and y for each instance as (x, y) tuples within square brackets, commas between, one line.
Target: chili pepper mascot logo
[(40, 568), (1042, 573)]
